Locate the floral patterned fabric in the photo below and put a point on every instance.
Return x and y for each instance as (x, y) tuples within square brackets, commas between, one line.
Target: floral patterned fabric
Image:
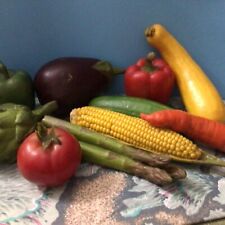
[(102, 196), (200, 197)]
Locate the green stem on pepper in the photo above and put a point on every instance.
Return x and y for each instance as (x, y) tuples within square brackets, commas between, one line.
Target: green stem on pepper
[(4, 71), (148, 67), (45, 109)]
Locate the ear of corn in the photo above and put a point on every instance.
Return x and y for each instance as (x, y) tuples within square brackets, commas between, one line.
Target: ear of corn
[(135, 131)]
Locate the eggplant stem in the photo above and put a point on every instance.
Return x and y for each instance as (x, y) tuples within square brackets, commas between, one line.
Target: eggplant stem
[(107, 69)]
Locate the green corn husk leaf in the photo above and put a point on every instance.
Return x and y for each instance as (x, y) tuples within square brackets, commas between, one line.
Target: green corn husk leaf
[(205, 159)]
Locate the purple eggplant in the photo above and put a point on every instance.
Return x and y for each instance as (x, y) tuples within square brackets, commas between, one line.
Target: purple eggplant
[(72, 81)]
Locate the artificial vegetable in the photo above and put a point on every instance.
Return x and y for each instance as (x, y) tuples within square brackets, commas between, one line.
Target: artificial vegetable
[(17, 121), (150, 78), (208, 132), (103, 157), (135, 131), (138, 133), (16, 87), (72, 81), (132, 106), (113, 153), (49, 157), (199, 94), (89, 136)]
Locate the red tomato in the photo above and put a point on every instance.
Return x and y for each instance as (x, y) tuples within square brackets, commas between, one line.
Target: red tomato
[(52, 166)]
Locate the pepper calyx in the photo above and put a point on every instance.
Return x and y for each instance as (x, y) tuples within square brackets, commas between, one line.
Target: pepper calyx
[(148, 67), (4, 71)]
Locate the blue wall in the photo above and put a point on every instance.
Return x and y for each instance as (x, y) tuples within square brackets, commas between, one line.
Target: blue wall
[(34, 32)]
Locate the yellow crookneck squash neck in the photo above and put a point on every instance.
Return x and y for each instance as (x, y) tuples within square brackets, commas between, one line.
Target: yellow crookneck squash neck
[(198, 93)]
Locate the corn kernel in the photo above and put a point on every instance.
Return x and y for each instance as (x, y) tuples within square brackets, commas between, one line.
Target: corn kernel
[(135, 131)]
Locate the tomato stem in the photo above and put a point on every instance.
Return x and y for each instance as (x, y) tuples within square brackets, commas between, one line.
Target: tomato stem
[(46, 136)]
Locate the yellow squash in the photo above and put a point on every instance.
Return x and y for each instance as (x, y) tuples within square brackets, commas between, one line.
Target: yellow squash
[(199, 94)]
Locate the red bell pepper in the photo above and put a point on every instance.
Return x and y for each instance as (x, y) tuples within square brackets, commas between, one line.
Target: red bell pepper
[(150, 78)]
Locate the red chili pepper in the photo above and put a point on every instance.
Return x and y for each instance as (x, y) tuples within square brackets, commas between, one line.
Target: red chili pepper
[(150, 78)]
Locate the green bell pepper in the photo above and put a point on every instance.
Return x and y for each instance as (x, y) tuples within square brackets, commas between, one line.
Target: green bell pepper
[(16, 87), (16, 122)]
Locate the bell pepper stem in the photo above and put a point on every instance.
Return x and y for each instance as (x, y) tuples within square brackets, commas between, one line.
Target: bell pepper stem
[(4, 71), (46, 109), (148, 67), (151, 56)]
